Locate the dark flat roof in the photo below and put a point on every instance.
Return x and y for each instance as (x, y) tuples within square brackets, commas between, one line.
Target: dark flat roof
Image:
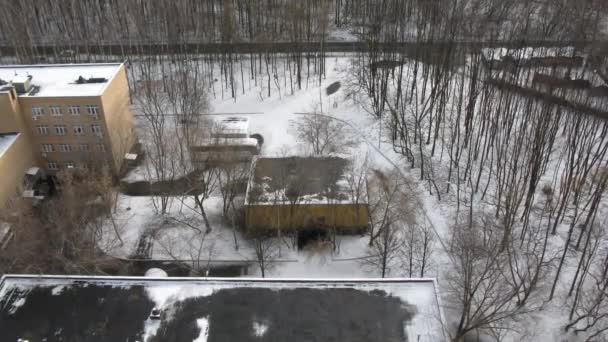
[(62, 308)]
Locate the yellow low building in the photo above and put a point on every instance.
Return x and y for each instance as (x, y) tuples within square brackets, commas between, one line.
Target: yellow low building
[(298, 193), (343, 217)]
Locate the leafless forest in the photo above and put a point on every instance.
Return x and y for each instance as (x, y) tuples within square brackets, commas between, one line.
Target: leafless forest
[(517, 146)]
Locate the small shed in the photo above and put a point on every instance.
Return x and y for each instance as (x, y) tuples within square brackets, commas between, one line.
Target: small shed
[(229, 142), (233, 127)]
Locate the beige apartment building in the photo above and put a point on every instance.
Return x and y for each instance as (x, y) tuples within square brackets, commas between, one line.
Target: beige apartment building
[(62, 116)]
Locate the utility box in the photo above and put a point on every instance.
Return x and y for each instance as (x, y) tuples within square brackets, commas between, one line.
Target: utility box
[(22, 83)]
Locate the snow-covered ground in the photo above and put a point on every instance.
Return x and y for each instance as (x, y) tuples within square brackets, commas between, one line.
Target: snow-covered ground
[(137, 214), (274, 119)]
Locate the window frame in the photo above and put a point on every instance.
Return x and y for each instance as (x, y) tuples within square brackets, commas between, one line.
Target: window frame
[(62, 128), (97, 130), (37, 111), (51, 165), (82, 130), (65, 148), (41, 128), (93, 110), (72, 112), (47, 148), (55, 110)]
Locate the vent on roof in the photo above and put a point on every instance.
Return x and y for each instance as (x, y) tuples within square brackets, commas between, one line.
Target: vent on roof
[(82, 80), (22, 84)]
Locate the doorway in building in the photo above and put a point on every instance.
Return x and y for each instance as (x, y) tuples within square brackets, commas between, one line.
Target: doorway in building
[(310, 236)]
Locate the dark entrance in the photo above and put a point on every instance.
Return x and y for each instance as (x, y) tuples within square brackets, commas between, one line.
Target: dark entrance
[(307, 236)]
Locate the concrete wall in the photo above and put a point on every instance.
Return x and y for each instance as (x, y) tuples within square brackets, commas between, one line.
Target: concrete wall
[(307, 216)]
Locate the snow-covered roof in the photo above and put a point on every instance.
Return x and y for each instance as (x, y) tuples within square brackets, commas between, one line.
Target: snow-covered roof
[(300, 180), (527, 52), (20, 78), (58, 80), (235, 309), (6, 140), (32, 171), (130, 156), (220, 142), (234, 126)]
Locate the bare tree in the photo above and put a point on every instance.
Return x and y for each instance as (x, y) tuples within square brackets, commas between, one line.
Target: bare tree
[(384, 253), (388, 203), (159, 142), (476, 281), (589, 312), (417, 252), (184, 243), (232, 183), (266, 251), (396, 240), (64, 234), (356, 175), (321, 135)]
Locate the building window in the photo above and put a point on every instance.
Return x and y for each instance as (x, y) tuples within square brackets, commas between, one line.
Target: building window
[(60, 130), (84, 148), (52, 166), (47, 148), (69, 164), (96, 129), (37, 112), (65, 148), (43, 130), (101, 148), (93, 110), (56, 111), (78, 130), (74, 110)]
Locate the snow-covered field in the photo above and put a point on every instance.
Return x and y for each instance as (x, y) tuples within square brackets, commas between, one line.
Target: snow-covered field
[(174, 240), (137, 214)]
